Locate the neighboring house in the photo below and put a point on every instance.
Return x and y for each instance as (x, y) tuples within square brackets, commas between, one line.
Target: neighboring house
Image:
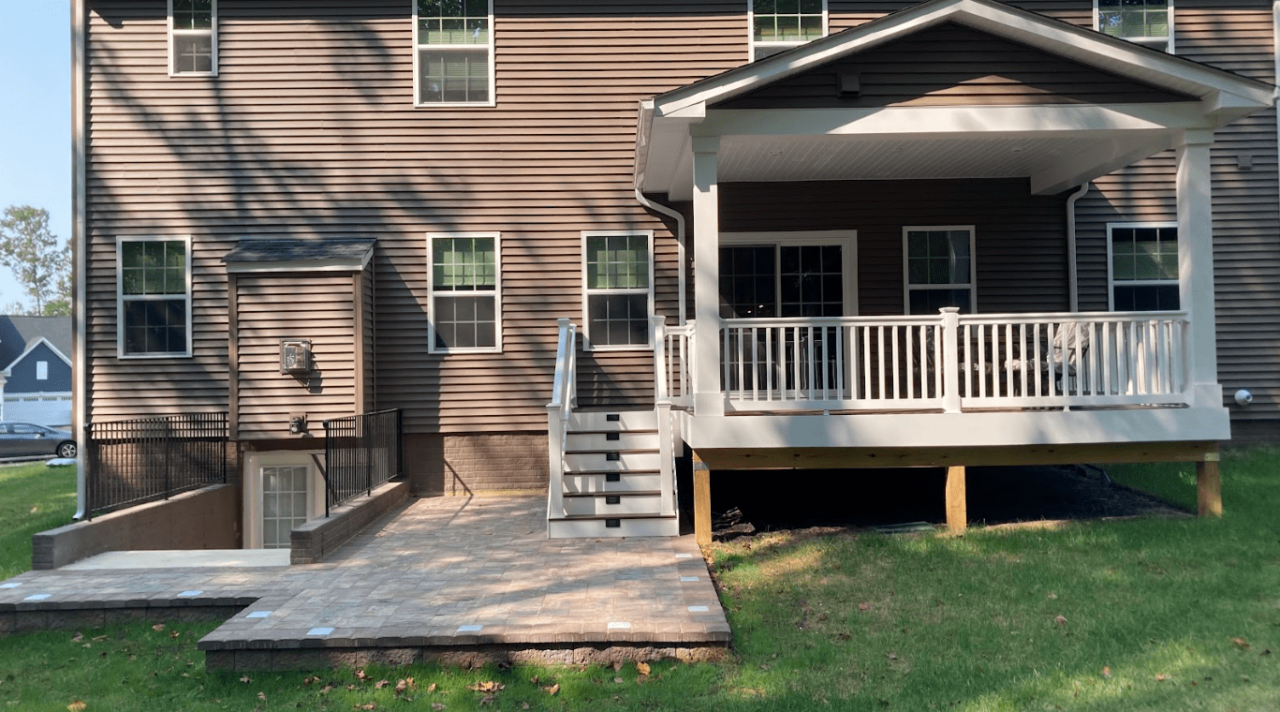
[(37, 377), (415, 193)]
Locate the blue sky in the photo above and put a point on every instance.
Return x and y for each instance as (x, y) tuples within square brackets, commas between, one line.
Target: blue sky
[(35, 115)]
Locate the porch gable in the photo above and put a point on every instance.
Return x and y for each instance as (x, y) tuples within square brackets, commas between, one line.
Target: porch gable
[(949, 65)]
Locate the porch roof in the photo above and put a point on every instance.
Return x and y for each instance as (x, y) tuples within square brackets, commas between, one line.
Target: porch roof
[(1057, 146)]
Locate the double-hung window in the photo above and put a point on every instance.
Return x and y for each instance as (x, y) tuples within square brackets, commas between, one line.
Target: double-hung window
[(453, 48), (153, 298), (1143, 266), (779, 25), (193, 38), (465, 286), (1148, 22), (618, 289), (938, 269)]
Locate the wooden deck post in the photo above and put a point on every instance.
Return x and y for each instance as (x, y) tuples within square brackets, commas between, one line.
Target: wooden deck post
[(1209, 485), (701, 501), (957, 515)]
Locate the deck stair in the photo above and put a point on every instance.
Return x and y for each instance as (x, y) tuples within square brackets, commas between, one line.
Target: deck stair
[(611, 485)]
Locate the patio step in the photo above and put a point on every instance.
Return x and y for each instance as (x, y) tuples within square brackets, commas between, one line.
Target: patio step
[(612, 478)]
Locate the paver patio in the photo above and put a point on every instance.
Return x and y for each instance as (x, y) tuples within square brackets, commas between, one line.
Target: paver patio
[(463, 580)]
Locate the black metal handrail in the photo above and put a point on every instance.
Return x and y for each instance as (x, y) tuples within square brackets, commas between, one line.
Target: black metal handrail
[(132, 462), (360, 452)]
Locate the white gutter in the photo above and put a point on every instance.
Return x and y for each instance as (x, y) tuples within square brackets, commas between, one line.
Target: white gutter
[(1073, 283), (79, 250), (680, 251)]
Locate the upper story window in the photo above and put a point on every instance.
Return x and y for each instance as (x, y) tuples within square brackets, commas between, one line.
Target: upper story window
[(153, 297), (1143, 266), (1148, 22), (939, 269), (618, 284), (453, 42), (193, 37), (465, 285), (779, 25)]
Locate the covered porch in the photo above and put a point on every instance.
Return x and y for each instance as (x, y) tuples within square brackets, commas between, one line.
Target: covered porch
[(937, 367)]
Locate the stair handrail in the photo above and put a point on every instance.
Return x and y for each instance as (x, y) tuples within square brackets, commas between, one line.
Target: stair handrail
[(563, 399)]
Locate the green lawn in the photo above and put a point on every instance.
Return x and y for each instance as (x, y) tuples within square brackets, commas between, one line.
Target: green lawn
[(1153, 614), (33, 498)]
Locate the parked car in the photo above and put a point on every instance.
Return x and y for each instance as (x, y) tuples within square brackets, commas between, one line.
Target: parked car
[(19, 439)]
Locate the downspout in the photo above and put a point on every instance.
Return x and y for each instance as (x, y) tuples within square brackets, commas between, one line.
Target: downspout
[(673, 213), (1073, 283), (79, 250)]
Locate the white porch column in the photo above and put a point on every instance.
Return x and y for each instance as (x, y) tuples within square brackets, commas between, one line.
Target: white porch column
[(1195, 265), (709, 400)]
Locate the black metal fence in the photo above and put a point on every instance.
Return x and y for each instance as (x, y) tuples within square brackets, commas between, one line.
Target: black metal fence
[(360, 453), (136, 461)]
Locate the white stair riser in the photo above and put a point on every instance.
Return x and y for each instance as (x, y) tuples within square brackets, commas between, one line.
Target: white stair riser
[(627, 420), (626, 461), (626, 483), (595, 528), (600, 441), (636, 504)]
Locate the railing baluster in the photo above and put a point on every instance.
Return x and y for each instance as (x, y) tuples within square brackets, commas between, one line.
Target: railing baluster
[(755, 365), (768, 359), (826, 362), (809, 349), (840, 362), (897, 376)]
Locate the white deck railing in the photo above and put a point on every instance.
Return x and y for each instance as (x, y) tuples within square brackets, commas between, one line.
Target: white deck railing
[(947, 362), (563, 399)]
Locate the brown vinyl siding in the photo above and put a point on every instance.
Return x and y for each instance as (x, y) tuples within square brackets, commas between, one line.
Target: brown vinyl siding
[(368, 342), (1020, 238), (273, 306), (950, 65), (309, 130)]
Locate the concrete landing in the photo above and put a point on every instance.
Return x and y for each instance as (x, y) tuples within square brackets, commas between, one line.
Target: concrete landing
[(458, 580)]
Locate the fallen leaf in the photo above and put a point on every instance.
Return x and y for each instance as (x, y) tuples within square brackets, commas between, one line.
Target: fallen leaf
[(893, 656), (486, 686), (534, 679), (487, 700), (35, 509), (1194, 683), (246, 679), (361, 676), (77, 637), (175, 635), (617, 666), (381, 684), (1052, 596), (158, 627), (99, 638), (524, 705), (642, 668), (617, 680), (401, 686), (431, 687), (437, 706), (1161, 677), (76, 705), (1106, 672), (262, 696), (864, 606), (764, 666), (553, 689), (326, 689), (365, 706), (1240, 643), (1060, 620)]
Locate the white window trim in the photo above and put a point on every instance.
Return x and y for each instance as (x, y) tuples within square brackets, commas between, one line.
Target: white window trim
[(493, 67), (848, 239), (751, 31), (1148, 41), (971, 285), (587, 345), (42, 370), (120, 296), (497, 293), (1111, 268), (213, 38), (253, 489)]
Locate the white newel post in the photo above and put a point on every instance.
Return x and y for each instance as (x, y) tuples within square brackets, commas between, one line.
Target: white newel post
[(1195, 266), (660, 385), (950, 360), (708, 399)]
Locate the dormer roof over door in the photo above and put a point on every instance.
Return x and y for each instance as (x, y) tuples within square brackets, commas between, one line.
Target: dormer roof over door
[(944, 89)]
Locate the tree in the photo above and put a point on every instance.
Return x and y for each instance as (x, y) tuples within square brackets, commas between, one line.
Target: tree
[(37, 259)]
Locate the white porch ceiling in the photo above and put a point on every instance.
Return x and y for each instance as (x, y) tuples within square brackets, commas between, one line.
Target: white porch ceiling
[(816, 158)]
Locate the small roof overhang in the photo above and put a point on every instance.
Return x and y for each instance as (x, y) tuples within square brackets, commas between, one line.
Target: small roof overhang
[(333, 254), (1057, 146)]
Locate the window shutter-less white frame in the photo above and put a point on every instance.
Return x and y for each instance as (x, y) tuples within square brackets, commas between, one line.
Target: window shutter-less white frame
[(212, 32), (587, 291), (496, 293), (417, 64), (121, 297)]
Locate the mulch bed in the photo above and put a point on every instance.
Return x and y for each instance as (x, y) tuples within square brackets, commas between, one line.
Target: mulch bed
[(859, 499)]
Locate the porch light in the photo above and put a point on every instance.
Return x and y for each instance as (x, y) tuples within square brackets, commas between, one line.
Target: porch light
[(295, 356), (1243, 397)]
